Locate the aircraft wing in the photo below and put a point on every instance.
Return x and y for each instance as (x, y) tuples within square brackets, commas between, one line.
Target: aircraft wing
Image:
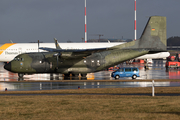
[(74, 50), (73, 53)]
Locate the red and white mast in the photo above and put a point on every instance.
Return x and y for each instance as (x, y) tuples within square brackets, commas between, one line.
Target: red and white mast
[(135, 20), (85, 37)]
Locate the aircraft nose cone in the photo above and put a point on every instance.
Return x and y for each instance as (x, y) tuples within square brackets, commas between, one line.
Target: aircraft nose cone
[(7, 66)]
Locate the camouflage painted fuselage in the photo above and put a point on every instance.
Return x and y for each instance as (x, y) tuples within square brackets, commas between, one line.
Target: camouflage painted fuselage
[(46, 62)]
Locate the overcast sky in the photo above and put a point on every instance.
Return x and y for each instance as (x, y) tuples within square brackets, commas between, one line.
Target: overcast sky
[(32, 20)]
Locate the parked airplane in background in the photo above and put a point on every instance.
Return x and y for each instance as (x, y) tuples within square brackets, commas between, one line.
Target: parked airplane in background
[(153, 40), (10, 50)]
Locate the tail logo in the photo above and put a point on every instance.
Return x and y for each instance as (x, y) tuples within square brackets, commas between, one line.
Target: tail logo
[(153, 29)]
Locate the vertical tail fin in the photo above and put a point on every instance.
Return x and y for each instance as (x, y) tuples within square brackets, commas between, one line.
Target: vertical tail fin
[(153, 37), (154, 34), (57, 44)]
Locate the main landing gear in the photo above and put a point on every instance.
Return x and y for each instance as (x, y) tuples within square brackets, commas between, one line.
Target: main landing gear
[(74, 76)]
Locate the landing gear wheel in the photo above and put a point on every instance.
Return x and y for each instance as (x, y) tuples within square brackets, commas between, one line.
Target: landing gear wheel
[(134, 77), (20, 75), (75, 75), (117, 77), (83, 75), (66, 75)]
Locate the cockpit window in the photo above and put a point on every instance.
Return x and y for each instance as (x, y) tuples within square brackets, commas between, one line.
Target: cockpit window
[(18, 59)]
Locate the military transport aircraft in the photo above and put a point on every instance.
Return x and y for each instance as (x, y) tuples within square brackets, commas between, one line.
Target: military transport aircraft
[(152, 40)]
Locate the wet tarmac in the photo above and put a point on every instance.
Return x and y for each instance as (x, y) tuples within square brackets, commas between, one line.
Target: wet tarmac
[(156, 71), (134, 94), (30, 86)]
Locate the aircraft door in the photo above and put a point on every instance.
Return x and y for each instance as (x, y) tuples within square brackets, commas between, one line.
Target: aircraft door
[(19, 50), (47, 66), (50, 65)]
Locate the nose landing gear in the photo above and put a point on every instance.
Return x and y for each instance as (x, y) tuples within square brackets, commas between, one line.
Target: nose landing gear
[(20, 75)]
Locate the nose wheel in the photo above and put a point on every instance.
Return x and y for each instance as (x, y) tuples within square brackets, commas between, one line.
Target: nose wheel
[(20, 75)]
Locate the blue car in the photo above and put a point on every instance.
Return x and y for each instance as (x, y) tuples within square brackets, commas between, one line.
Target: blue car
[(126, 72)]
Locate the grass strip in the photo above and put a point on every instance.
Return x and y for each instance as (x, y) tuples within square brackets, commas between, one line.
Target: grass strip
[(91, 106)]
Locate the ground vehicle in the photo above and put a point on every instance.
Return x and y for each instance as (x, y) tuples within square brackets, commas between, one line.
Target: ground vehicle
[(126, 72), (173, 61)]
